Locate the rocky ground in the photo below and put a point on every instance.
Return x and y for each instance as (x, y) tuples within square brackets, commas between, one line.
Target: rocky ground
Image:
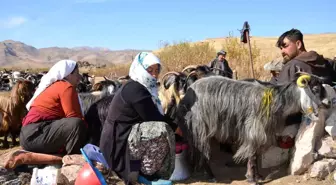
[(225, 175)]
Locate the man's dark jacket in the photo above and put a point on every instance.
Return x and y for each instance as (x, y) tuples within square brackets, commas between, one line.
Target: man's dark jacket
[(225, 71), (309, 62)]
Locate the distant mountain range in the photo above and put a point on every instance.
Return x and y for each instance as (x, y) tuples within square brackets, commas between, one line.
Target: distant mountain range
[(18, 54)]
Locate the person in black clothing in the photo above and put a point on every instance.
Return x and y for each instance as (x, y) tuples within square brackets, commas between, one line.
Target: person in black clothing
[(222, 64), (134, 111)]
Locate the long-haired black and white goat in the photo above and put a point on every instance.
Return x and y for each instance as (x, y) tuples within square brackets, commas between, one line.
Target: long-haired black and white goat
[(96, 116), (89, 98), (250, 113), (173, 86)]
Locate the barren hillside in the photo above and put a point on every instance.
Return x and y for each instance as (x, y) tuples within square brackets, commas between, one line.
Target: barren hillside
[(18, 54)]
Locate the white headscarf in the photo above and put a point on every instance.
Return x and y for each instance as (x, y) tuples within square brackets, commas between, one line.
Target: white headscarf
[(57, 72), (139, 73)]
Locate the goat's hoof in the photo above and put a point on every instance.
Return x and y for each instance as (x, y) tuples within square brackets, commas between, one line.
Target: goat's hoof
[(253, 181), (259, 177), (15, 143), (212, 180), (5, 146)]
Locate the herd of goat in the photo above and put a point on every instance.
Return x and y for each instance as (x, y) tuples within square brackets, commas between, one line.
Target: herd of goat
[(205, 106)]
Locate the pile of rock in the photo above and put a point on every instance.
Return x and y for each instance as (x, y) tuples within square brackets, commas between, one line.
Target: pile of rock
[(314, 153)]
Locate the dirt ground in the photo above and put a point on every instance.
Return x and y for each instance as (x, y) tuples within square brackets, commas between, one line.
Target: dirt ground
[(232, 175)]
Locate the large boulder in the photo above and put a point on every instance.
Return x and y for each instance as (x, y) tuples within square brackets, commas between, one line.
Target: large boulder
[(276, 156), (305, 141)]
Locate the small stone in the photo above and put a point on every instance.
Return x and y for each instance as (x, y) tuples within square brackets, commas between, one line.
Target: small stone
[(69, 173), (322, 169), (298, 181), (327, 147), (305, 177), (73, 160)]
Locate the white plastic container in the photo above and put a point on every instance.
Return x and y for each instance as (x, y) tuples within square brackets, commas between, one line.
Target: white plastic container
[(45, 176), (181, 171)]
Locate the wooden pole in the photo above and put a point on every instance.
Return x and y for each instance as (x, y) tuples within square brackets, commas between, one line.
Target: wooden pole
[(249, 44)]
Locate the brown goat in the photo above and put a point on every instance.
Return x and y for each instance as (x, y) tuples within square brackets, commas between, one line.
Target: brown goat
[(13, 109)]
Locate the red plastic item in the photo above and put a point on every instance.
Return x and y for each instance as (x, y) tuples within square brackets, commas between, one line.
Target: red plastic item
[(179, 147), (286, 142), (86, 175)]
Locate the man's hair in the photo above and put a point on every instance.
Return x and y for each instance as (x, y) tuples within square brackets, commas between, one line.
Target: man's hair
[(292, 35)]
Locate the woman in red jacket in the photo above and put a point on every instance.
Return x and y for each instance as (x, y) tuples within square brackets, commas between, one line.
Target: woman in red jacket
[(54, 123)]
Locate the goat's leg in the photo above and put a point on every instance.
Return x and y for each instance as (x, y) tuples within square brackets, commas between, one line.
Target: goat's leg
[(5, 141), (252, 174), (14, 142), (256, 170), (207, 168), (205, 164)]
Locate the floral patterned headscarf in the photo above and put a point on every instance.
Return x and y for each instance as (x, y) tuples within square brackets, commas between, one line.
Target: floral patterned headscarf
[(139, 73)]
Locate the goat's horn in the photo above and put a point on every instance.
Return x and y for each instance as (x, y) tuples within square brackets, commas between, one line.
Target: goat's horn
[(188, 67), (170, 72), (312, 75), (105, 77), (301, 81), (122, 77), (190, 74)]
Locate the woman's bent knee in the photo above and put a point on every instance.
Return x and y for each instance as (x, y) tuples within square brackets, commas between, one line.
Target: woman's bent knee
[(76, 123)]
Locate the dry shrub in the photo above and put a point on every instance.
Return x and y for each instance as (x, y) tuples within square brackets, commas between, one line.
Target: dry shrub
[(112, 71), (238, 55), (179, 55)]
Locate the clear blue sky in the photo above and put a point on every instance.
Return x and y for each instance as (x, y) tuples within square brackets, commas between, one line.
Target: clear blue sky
[(142, 24)]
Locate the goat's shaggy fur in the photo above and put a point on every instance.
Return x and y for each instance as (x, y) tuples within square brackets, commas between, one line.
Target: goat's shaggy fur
[(249, 113), (105, 83), (90, 98), (96, 116), (12, 109)]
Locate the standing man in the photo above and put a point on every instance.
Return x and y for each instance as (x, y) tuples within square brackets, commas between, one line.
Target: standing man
[(297, 58), (222, 64)]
